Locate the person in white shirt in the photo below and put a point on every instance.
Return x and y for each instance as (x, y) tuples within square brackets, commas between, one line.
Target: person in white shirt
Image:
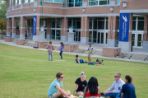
[(90, 52), (115, 89)]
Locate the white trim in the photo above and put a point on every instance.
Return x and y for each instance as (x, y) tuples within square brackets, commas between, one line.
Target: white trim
[(135, 11), (77, 7), (35, 14), (56, 15), (93, 15)]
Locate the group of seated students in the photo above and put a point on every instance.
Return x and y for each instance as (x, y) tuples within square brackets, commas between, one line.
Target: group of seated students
[(91, 88), (82, 61)]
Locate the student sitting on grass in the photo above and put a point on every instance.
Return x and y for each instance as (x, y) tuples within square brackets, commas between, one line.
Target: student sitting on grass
[(92, 89), (55, 90), (128, 89), (96, 63), (81, 84), (115, 89), (99, 61), (78, 60)]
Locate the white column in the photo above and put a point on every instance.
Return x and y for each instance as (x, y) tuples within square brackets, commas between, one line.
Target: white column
[(22, 29)]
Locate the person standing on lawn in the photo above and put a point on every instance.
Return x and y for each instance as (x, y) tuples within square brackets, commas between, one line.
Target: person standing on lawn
[(90, 51), (61, 49), (50, 49)]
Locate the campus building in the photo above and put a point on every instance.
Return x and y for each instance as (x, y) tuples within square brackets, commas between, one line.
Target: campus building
[(106, 23)]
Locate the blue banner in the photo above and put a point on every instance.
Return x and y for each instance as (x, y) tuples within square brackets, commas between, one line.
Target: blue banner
[(124, 27), (34, 25)]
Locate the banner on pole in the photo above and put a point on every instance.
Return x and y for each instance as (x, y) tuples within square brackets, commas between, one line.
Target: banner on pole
[(34, 25), (124, 27)]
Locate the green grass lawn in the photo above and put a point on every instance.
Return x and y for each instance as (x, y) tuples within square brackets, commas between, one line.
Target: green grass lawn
[(26, 73)]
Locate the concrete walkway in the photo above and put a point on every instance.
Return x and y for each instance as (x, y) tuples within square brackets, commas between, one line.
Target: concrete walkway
[(71, 53)]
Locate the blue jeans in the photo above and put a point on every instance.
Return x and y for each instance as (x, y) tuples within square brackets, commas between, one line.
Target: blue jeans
[(50, 57), (112, 95)]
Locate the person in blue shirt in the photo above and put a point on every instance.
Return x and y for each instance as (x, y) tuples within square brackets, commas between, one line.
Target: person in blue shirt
[(55, 90), (128, 89)]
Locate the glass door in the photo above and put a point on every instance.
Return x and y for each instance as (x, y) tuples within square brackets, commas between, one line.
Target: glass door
[(98, 37), (137, 40), (102, 37)]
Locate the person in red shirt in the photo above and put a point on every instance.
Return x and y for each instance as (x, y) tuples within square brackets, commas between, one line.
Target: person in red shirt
[(92, 89)]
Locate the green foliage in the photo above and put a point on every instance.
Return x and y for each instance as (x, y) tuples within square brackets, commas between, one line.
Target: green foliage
[(2, 24), (26, 73), (3, 8), (2, 15)]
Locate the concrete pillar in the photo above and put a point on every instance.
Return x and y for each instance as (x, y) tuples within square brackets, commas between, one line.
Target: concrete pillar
[(64, 29), (112, 20), (145, 40), (38, 26), (8, 33), (13, 28), (84, 29), (22, 28), (126, 46), (48, 29)]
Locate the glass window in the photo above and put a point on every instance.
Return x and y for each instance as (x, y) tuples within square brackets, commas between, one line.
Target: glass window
[(16, 2), (98, 2), (133, 39), (101, 24), (71, 3), (58, 34), (106, 37), (103, 2), (55, 24), (78, 2), (58, 23), (75, 23), (95, 23), (74, 3), (140, 23), (117, 23), (77, 35), (53, 34), (98, 37), (102, 38), (20, 2), (54, 1), (90, 36), (26, 1), (139, 40), (118, 2), (52, 23), (32, 1), (134, 25), (98, 23), (106, 23), (94, 36), (92, 2)]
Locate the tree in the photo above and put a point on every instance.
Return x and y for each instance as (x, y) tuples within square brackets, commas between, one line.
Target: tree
[(2, 24), (3, 8)]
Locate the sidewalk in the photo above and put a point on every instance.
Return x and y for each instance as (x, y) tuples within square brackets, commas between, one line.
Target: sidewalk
[(71, 53)]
